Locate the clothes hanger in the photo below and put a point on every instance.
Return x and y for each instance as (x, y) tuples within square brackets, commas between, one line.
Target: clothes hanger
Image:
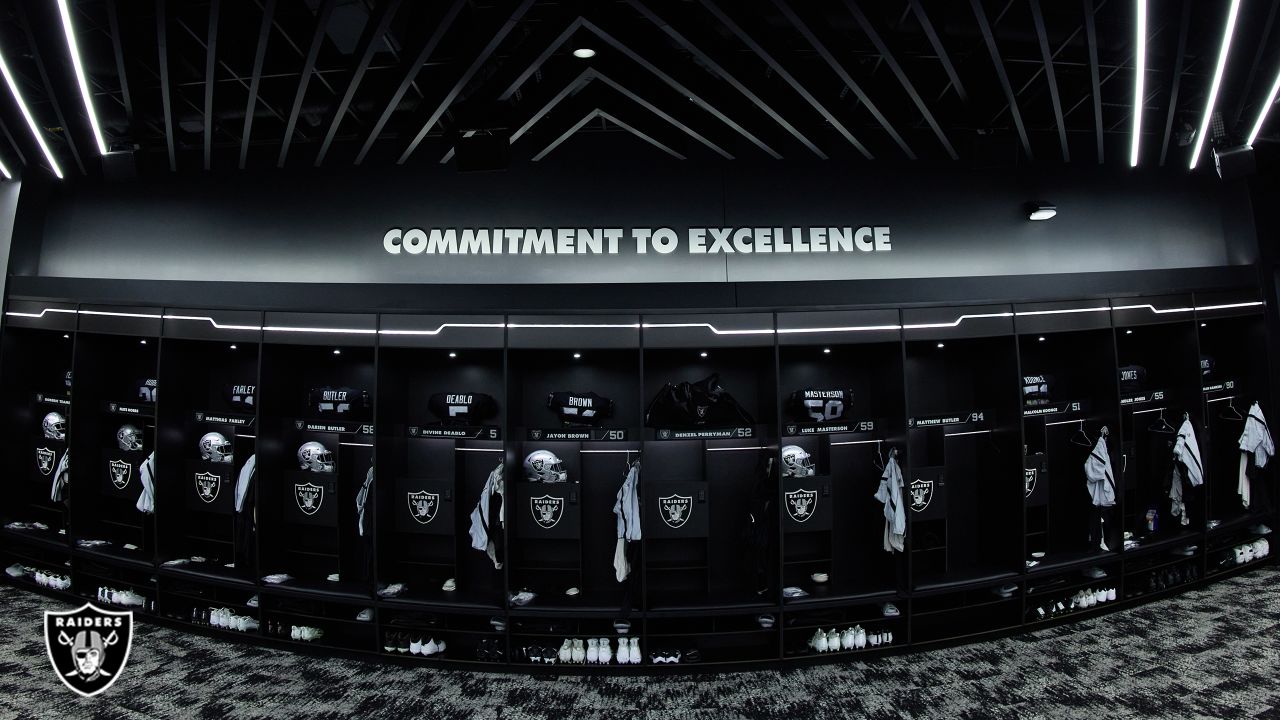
[(1230, 412), (1163, 426), (1081, 438)]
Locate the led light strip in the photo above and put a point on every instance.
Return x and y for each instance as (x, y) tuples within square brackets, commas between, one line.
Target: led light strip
[(1262, 114), (1139, 80), (80, 78), (26, 113), (630, 326), (1217, 81)]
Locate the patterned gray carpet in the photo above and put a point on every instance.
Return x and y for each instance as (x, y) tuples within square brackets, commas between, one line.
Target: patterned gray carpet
[(1213, 652)]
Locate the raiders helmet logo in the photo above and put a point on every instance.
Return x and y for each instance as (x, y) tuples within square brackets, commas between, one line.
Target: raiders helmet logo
[(536, 435), (208, 486), (120, 473), (801, 504), (423, 506), (547, 510), (88, 647), (309, 496), (1029, 479), (675, 510), (921, 494), (537, 464), (44, 460)]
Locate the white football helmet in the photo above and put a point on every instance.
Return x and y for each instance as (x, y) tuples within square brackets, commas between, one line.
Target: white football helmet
[(544, 466), (315, 457), (55, 426), (214, 447), (797, 462), (129, 438)]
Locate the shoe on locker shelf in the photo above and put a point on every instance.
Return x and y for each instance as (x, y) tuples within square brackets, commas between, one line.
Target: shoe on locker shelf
[(859, 638), (1094, 572), (833, 640), (692, 656), (791, 592), (766, 620), (622, 626), (498, 623), (252, 602), (624, 658), (388, 640), (449, 585), (415, 646), (364, 615), (889, 610), (522, 598), (604, 653), (819, 641), (1260, 529), (846, 639), (633, 654)]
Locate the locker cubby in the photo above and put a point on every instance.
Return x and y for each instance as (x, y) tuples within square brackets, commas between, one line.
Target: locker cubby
[(1152, 409), (192, 602), (467, 637), (338, 621), (213, 390), (116, 385), (1069, 394), (36, 376), (965, 484), (309, 526)]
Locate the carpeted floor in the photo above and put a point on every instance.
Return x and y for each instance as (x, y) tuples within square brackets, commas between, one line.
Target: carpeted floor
[(1213, 652)]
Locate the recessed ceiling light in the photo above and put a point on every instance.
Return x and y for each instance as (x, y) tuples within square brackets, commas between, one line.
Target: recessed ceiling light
[(1041, 338), (233, 347), (702, 354), (1203, 324), (942, 345), (142, 342), (826, 351), (1041, 211), (577, 356), (584, 53), (66, 336), (453, 354), (336, 351), (1128, 332)]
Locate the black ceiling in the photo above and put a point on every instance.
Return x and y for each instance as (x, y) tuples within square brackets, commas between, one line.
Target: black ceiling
[(223, 84)]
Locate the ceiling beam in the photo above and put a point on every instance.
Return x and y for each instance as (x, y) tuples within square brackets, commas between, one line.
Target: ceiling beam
[(210, 55), (941, 50), (162, 42), (643, 135), (374, 31), (555, 143), (1091, 39), (1040, 64), (725, 75), (883, 48), (117, 47), (34, 49), (4, 128), (1003, 75), (264, 33), (476, 64), (1038, 18), (541, 58), (411, 72), (1183, 30), (308, 64), (795, 84)]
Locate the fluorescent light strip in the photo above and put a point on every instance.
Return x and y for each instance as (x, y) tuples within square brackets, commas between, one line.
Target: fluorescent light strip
[(1217, 81), (781, 331), (968, 432), (80, 78), (5, 171), (1266, 106), (1140, 72), (26, 113)]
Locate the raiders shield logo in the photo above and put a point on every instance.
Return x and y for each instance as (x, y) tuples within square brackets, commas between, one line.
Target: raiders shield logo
[(1029, 478), (801, 504), (88, 647), (199, 417), (675, 509), (702, 411), (112, 407), (423, 506), (535, 434), (309, 496), (120, 473), (921, 494), (792, 429), (413, 431), (664, 434), (297, 424), (547, 510), (44, 460), (208, 486)]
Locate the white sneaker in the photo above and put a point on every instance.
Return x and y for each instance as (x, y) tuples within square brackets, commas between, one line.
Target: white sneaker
[(566, 651), (364, 615), (818, 641), (888, 637), (252, 602), (293, 632), (624, 657), (633, 655), (449, 585), (846, 639), (603, 652), (875, 639), (415, 646), (577, 652), (859, 637), (1101, 595), (1111, 594), (833, 640)]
